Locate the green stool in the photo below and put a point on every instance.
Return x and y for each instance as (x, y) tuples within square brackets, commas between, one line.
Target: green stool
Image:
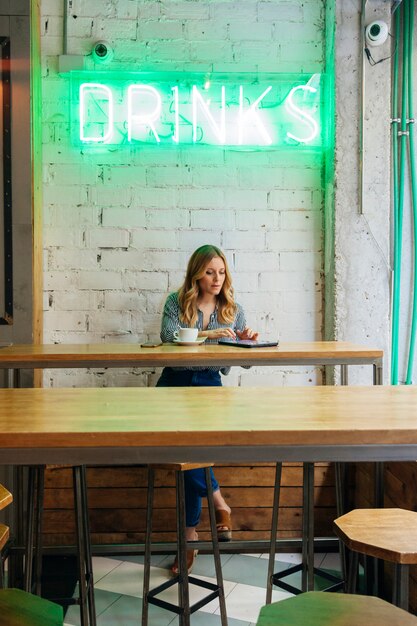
[(18, 608), (328, 609)]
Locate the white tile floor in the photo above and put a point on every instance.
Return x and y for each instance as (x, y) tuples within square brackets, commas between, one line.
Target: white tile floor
[(118, 585)]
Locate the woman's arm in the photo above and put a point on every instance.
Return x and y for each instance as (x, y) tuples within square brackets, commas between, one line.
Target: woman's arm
[(243, 331), (217, 333), (170, 318)]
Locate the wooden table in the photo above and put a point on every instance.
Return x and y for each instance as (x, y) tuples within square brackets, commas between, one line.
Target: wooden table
[(220, 424), (17, 357)]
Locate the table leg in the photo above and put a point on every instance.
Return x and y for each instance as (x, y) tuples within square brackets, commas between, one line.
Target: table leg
[(274, 531), (15, 572), (379, 487), (341, 481), (13, 378), (341, 487), (378, 373), (344, 374), (307, 576)]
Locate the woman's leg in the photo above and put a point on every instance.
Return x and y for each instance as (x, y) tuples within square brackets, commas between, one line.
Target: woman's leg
[(172, 377), (196, 481), (195, 489), (195, 485), (220, 503)]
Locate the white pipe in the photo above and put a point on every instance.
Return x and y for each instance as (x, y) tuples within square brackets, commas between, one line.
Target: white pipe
[(362, 109), (67, 7)]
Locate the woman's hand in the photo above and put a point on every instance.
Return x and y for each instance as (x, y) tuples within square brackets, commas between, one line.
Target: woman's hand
[(247, 333), (217, 333)]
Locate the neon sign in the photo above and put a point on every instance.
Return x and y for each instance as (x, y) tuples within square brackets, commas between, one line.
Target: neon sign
[(241, 111)]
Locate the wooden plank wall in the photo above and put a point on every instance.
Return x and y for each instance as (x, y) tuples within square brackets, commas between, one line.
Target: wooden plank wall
[(401, 492), (117, 501)]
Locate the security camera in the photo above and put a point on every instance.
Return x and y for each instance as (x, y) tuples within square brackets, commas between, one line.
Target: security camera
[(102, 52), (376, 33)]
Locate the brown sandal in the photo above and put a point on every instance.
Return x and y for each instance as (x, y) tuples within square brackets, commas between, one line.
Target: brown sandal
[(191, 555), (223, 525)]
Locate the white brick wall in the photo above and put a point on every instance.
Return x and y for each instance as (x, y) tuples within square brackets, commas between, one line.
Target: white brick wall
[(120, 224), (106, 238)]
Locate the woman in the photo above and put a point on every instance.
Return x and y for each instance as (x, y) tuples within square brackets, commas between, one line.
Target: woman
[(205, 301)]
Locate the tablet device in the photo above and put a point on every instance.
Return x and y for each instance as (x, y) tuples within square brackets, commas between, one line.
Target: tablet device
[(247, 343)]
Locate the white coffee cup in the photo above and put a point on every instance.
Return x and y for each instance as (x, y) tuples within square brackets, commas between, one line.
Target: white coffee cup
[(186, 334)]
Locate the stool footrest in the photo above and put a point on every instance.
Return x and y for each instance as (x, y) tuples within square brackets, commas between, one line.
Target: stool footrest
[(278, 582), (179, 610)]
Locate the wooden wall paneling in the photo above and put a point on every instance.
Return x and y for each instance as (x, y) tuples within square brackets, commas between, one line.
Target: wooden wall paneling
[(117, 500), (364, 476)]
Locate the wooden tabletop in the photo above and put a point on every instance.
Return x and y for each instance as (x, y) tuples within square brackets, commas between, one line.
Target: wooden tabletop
[(124, 355), (225, 422)]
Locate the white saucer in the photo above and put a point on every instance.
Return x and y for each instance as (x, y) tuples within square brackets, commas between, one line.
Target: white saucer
[(190, 343)]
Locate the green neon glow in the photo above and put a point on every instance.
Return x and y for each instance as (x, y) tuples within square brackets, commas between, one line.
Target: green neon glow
[(175, 136), (87, 91), (301, 115), (252, 113), (218, 130), (144, 119), (243, 111)]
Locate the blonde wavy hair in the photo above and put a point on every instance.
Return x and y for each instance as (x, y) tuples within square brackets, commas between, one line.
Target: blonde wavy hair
[(189, 292)]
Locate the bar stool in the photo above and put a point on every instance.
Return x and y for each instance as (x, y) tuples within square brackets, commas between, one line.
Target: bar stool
[(388, 534), (307, 566), (33, 551), (328, 609), (5, 499), (18, 608), (183, 609)]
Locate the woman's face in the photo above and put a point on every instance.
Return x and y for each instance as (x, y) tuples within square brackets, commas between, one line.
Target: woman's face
[(213, 278)]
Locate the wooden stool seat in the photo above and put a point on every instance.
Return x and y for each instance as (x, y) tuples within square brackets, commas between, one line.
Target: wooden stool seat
[(4, 535), (18, 608), (6, 498), (388, 534), (328, 609), (181, 467)]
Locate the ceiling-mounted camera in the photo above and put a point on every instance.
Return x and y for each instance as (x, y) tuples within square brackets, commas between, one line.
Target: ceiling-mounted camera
[(102, 52), (376, 33)]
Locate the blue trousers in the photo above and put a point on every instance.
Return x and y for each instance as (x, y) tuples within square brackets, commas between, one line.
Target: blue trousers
[(195, 483)]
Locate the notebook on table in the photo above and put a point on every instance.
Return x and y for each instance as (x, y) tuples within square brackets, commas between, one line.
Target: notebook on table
[(247, 343)]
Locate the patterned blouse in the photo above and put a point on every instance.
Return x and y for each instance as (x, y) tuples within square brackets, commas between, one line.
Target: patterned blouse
[(171, 322)]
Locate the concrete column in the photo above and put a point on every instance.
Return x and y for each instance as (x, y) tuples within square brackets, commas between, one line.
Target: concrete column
[(361, 278)]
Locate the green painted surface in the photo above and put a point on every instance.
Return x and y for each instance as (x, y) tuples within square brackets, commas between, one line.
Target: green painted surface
[(18, 608)]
